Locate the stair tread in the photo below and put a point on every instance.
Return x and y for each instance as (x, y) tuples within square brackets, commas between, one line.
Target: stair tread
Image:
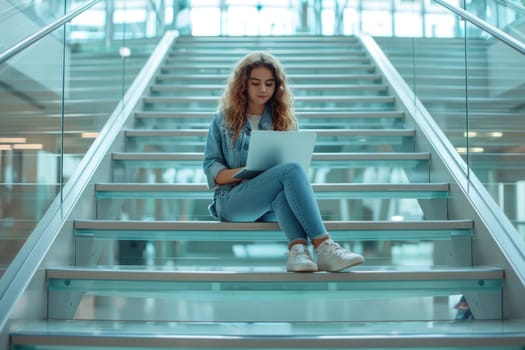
[(277, 51), (263, 226), (243, 231), (322, 190), (271, 335), (300, 113), (250, 274), (211, 87), (320, 132), (317, 187), (340, 56), (321, 98), (292, 77), (198, 156), (249, 39), (291, 63)]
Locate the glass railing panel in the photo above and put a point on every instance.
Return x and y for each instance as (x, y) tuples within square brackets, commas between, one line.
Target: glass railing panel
[(52, 109), (100, 70), (472, 84), (30, 151), (432, 62), (495, 140)]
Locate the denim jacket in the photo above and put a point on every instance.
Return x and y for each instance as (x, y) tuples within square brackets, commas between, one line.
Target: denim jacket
[(220, 153)]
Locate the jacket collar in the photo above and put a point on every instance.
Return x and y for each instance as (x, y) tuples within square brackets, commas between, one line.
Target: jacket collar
[(265, 123)]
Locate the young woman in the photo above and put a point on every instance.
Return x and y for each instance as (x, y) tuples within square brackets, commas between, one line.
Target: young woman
[(257, 97)]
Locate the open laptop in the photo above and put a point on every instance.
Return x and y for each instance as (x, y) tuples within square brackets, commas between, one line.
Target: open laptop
[(270, 148)]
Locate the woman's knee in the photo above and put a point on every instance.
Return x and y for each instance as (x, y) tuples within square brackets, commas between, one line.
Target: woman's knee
[(293, 167), (289, 169)]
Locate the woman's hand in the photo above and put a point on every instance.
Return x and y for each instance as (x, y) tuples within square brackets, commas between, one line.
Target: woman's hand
[(225, 176)]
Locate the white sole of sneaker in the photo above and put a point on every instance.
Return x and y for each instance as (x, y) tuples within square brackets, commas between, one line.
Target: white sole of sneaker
[(354, 262), (303, 268)]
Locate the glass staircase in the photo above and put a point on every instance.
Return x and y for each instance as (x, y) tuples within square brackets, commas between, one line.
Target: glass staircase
[(154, 271)]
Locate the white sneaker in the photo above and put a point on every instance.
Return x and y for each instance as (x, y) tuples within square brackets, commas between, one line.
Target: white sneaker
[(332, 257), (299, 259)]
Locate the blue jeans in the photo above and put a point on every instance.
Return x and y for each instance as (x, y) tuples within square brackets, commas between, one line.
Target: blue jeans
[(283, 190)]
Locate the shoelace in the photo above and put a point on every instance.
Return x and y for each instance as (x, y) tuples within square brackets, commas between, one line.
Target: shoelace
[(334, 248), (300, 252)]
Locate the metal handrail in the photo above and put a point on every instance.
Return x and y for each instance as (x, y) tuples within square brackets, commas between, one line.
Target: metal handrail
[(30, 40), (494, 31), (512, 5)]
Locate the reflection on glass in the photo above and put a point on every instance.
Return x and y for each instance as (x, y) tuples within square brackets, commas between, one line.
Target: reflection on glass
[(496, 123), (54, 100), (30, 111), (473, 87)]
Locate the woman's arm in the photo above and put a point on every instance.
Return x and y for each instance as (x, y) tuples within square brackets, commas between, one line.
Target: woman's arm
[(214, 164), (225, 176)]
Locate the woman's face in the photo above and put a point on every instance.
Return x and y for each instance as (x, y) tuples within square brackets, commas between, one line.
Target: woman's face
[(261, 86)]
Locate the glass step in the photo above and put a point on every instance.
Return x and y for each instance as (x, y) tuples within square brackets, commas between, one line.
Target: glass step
[(340, 59), (380, 105), (293, 78), (281, 48), (322, 191), (332, 160), (189, 171), (325, 167), (257, 254), (321, 133), (219, 282), (416, 335), (289, 58), (349, 140), (148, 208), (307, 118), (216, 291), (285, 54), (251, 40), (259, 231), (225, 69), (365, 102), (298, 89)]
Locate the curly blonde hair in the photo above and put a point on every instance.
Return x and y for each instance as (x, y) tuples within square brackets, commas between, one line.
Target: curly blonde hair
[(234, 101)]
